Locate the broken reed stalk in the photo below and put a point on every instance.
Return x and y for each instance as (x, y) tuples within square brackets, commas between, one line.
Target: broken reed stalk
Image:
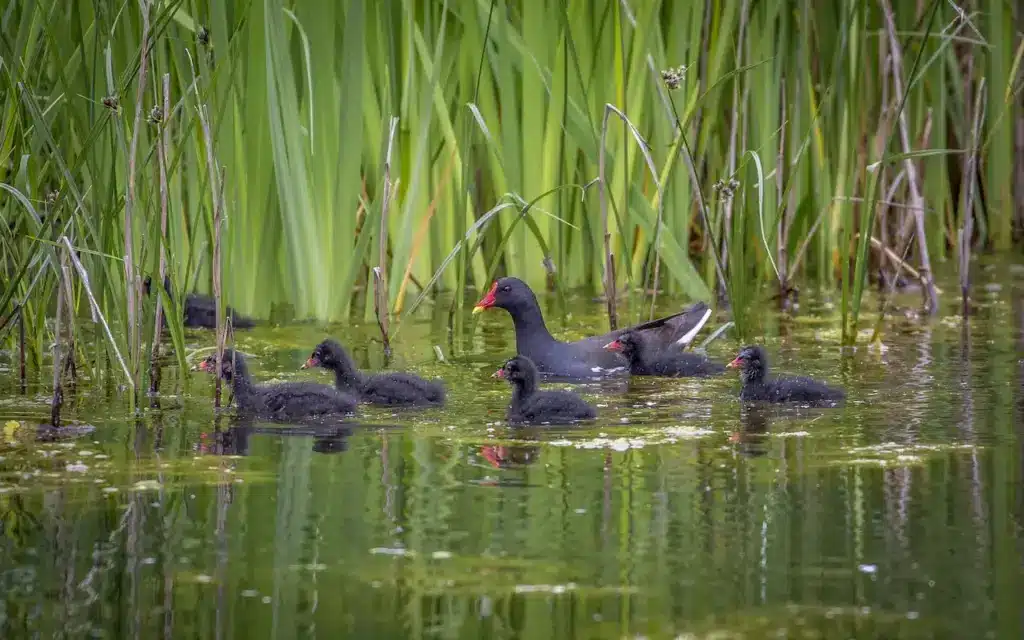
[(966, 230), (916, 200), (899, 262), (58, 393), (64, 302), (21, 350), (129, 205), (380, 290), (218, 286), (161, 154), (97, 313), (217, 201), (602, 194), (68, 368)]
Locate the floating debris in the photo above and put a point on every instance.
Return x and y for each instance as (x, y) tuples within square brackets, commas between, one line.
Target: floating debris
[(392, 551)]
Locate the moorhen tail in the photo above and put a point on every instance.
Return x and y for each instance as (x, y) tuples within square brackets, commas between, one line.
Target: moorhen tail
[(758, 387), (391, 389), (530, 406), (586, 358), (645, 361), (200, 310), (283, 400)]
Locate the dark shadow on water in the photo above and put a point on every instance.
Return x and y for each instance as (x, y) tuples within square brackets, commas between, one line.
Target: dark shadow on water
[(328, 438), (752, 439)]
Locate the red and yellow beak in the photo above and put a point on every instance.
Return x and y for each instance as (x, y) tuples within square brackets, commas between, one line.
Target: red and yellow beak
[(203, 365), (488, 300), (500, 373), (311, 363), (735, 364), (614, 345)]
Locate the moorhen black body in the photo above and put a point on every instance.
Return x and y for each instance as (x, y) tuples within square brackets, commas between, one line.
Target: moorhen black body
[(283, 400), (668, 362), (200, 310), (531, 406), (752, 362), (586, 358), (392, 389)]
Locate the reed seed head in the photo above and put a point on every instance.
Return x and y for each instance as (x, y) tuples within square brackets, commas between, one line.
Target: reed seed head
[(673, 77)]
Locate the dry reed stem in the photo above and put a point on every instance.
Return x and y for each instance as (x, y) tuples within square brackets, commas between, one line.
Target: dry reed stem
[(21, 350), (421, 233), (162, 148), (129, 207), (97, 313), (609, 269), (216, 196), (380, 292), (899, 261), (58, 391), (967, 211), (916, 200)]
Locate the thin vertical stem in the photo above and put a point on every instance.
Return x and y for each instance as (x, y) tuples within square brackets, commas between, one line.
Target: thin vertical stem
[(130, 200), (21, 349), (916, 200), (216, 195), (58, 392), (380, 289), (967, 203), (609, 258), (162, 149)]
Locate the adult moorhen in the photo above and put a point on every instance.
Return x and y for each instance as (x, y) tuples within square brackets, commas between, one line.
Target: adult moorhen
[(283, 400), (200, 310), (586, 358), (670, 363), (530, 406), (757, 387), (392, 389)]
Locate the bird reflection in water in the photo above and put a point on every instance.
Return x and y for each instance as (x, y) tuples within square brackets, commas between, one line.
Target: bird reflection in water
[(234, 441), (752, 437), (510, 456)]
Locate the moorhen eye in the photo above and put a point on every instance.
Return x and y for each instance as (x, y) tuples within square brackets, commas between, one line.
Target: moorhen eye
[(284, 400), (392, 389)]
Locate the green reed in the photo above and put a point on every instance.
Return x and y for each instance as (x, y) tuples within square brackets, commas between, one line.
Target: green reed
[(780, 137)]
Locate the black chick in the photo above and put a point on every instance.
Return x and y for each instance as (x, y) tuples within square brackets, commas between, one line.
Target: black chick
[(757, 387), (530, 406), (200, 310), (283, 400), (392, 389), (667, 362)]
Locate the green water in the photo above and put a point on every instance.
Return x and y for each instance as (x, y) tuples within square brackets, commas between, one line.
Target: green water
[(678, 514)]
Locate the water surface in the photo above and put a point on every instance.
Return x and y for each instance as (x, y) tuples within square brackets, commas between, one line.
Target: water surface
[(679, 513)]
